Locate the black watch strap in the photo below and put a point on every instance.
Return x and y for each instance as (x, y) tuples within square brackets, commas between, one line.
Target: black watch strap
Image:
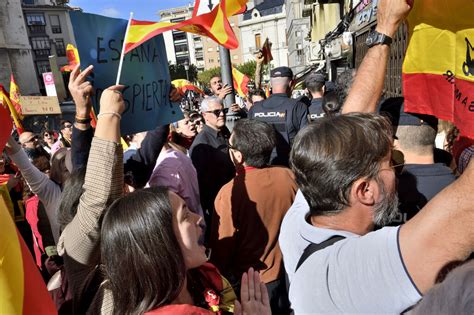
[(376, 38)]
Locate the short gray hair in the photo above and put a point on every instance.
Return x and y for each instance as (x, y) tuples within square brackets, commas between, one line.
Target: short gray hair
[(211, 99)]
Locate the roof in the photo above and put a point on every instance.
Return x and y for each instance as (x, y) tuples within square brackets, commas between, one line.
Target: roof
[(266, 8)]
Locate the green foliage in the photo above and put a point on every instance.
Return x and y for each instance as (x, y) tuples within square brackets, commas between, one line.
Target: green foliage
[(178, 72), (205, 76), (248, 68)]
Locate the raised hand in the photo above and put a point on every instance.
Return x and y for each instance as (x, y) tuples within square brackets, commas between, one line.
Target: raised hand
[(253, 296), (81, 90), (226, 89)]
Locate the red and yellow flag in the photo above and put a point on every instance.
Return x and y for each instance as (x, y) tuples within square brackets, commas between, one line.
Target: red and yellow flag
[(6, 102), (213, 24), (5, 125), (183, 85), (15, 96), (240, 82), (438, 70), (267, 52), (22, 289), (72, 57)]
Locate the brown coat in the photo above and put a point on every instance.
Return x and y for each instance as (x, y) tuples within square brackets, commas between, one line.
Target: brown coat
[(246, 225)]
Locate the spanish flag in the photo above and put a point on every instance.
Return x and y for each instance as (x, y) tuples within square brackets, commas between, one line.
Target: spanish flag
[(240, 82), (72, 57), (183, 85), (213, 24), (267, 52), (15, 96), (22, 289), (438, 70), (5, 101), (5, 126)]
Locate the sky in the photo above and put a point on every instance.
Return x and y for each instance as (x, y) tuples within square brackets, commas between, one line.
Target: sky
[(146, 10)]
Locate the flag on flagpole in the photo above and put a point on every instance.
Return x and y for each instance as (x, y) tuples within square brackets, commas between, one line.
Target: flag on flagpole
[(267, 91), (72, 57), (438, 70), (267, 51), (213, 24), (5, 99), (240, 82), (15, 96)]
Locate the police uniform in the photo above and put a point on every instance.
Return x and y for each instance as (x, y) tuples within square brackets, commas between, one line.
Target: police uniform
[(316, 109), (417, 183), (286, 115)]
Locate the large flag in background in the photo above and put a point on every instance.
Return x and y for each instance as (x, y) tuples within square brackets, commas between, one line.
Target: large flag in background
[(213, 24), (72, 57), (438, 70), (240, 82), (22, 289), (6, 102), (15, 96)]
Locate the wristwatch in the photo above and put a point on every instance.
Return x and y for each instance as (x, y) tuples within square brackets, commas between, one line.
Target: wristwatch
[(376, 38)]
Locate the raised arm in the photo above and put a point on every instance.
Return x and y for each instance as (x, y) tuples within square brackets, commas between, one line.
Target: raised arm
[(103, 183), (370, 77), (48, 191), (441, 232)]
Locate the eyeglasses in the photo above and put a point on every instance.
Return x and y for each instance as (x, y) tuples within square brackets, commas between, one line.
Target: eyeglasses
[(68, 126), (231, 147), (32, 139), (397, 168), (197, 122), (218, 112)]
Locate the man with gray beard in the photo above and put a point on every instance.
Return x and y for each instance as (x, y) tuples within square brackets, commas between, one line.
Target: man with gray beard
[(343, 166)]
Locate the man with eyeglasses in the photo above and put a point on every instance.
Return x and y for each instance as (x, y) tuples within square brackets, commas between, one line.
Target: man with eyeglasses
[(336, 263), (31, 145), (209, 153)]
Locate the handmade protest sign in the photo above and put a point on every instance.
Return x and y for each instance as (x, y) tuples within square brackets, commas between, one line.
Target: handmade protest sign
[(438, 70), (40, 105), (145, 71)]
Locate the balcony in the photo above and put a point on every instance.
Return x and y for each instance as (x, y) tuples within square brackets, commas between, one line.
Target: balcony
[(42, 52), (37, 29)]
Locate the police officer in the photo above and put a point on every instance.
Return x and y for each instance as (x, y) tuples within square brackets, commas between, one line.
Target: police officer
[(315, 85), (286, 115)]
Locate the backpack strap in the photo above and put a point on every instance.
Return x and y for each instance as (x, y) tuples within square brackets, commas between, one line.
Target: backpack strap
[(313, 247)]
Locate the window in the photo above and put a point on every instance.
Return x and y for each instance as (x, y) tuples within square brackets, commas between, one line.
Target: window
[(60, 48), (35, 19), (210, 49), (179, 36), (55, 24), (42, 67), (297, 33), (41, 46), (257, 41), (211, 60), (31, 2)]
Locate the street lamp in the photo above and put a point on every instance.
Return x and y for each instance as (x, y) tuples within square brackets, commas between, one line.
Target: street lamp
[(186, 68)]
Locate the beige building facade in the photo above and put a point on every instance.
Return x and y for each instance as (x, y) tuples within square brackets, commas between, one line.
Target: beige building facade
[(16, 55)]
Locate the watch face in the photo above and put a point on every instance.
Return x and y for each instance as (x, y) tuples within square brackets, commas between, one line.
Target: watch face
[(370, 39)]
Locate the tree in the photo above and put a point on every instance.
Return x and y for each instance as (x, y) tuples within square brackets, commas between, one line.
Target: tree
[(178, 72), (248, 68), (205, 76)]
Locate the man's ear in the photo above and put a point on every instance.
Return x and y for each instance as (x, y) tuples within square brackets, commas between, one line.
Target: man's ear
[(237, 157), (363, 190)]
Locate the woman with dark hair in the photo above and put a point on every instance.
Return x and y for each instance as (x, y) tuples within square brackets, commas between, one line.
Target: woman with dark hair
[(47, 139), (152, 244)]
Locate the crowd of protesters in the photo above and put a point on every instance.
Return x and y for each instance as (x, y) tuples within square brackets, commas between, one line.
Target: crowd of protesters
[(342, 204)]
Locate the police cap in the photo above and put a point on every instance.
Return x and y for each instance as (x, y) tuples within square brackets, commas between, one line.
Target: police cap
[(393, 107), (284, 72)]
